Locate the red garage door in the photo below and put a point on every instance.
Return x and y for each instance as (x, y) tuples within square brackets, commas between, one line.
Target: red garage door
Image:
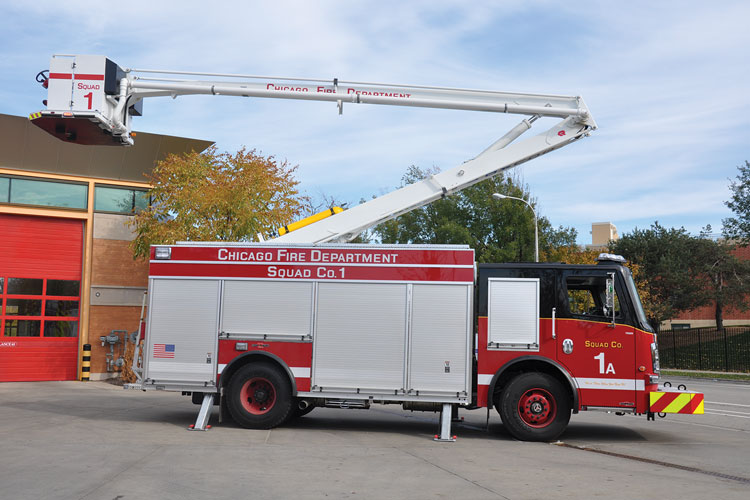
[(40, 289)]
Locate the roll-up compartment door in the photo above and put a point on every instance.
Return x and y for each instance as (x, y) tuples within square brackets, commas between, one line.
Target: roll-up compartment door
[(183, 331), (513, 315), (360, 337), (440, 339), (268, 309)]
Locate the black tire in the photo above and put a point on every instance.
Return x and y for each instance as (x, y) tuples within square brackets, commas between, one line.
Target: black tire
[(534, 407), (259, 396)]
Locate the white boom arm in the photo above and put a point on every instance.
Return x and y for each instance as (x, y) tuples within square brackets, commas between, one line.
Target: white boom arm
[(498, 157), (87, 93)]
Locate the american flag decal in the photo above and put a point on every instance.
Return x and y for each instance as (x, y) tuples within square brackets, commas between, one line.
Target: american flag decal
[(164, 351)]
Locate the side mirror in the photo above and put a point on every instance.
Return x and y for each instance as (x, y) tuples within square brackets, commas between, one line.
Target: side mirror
[(610, 297)]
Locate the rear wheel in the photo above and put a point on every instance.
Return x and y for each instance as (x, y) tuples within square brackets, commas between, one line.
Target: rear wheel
[(259, 396), (534, 407)]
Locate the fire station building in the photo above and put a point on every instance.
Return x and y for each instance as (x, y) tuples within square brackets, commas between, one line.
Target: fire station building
[(67, 275)]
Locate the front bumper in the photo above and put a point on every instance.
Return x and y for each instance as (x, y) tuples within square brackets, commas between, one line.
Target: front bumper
[(669, 400)]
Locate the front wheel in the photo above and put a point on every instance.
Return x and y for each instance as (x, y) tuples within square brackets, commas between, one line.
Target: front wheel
[(534, 407), (259, 396)]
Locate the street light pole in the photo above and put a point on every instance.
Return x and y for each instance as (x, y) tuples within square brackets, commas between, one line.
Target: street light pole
[(499, 196)]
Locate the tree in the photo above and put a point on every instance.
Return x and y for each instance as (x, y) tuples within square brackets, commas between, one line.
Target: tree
[(682, 272), (216, 196), (723, 278), (670, 265), (498, 230), (738, 227), (570, 254)]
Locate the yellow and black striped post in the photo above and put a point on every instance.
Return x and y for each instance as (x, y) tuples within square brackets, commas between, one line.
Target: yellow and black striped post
[(86, 363)]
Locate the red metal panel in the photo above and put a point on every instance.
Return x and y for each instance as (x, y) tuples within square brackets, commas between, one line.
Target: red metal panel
[(334, 263), (39, 248), (314, 272), (324, 255), (294, 354)]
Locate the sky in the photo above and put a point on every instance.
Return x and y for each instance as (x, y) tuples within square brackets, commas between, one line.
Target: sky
[(668, 84)]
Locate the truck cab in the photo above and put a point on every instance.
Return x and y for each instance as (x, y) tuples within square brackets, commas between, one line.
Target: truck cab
[(582, 326)]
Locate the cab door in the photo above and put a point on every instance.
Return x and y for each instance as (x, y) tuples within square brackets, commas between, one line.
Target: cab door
[(595, 343)]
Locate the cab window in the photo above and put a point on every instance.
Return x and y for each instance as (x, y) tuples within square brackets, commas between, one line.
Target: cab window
[(587, 297)]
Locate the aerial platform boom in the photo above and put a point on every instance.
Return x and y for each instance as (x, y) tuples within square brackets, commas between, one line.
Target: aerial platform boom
[(91, 100)]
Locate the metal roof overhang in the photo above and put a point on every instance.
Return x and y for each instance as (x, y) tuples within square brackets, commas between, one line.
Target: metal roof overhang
[(26, 147)]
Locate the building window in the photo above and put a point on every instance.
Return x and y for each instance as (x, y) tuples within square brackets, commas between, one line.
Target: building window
[(67, 288), (27, 191), (4, 189), (39, 307), (22, 286), (120, 200)]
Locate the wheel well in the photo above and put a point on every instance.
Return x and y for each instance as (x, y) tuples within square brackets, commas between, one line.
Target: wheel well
[(512, 369), (255, 357)]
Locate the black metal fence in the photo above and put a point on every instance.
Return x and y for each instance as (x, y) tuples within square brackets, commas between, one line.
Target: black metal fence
[(706, 349)]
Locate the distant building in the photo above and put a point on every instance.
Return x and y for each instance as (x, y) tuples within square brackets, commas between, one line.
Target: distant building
[(601, 234), (67, 275)]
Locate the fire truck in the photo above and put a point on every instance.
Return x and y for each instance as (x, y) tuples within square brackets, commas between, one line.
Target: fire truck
[(271, 330)]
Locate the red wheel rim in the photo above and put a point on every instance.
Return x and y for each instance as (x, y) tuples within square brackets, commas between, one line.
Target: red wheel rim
[(537, 408), (258, 396)]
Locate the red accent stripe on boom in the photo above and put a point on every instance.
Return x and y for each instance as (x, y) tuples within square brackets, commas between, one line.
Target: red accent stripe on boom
[(79, 76), (85, 76)]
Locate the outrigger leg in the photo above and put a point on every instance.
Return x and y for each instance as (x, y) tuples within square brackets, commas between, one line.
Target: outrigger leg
[(204, 414), (445, 424)]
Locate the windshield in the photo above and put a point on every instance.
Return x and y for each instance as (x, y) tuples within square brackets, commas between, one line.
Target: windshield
[(639, 312)]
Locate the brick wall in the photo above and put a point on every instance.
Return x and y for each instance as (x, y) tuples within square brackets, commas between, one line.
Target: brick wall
[(113, 264), (117, 286), (102, 320)]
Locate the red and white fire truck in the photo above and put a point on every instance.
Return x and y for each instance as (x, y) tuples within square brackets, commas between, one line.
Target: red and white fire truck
[(271, 330)]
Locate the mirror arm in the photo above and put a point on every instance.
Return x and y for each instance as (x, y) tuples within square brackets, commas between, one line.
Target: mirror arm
[(611, 295)]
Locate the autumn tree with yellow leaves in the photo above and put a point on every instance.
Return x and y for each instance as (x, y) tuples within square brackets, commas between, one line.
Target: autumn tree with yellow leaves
[(214, 196)]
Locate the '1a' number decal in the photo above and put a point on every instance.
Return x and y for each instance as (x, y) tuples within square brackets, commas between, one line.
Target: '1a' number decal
[(610, 366)]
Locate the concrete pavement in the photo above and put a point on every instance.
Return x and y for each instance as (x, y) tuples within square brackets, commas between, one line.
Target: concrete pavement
[(73, 440)]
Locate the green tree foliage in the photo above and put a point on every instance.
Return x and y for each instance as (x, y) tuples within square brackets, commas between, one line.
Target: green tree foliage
[(214, 196), (723, 278), (498, 230), (681, 272), (738, 227), (667, 259)]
